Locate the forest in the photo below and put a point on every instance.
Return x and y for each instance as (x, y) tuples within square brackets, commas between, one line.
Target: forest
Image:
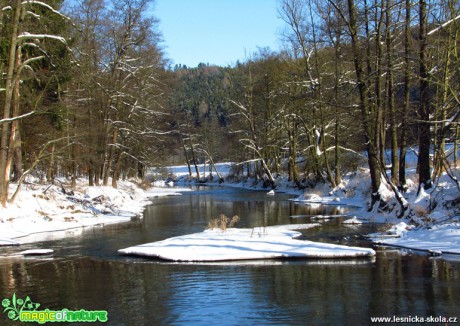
[(87, 91)]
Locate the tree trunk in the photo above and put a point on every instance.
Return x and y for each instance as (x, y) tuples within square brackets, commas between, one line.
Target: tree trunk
[(391, 97), (338, 176), (403, 142), (440, 128), (140, 170), (91, 173), (292, 164), (116, 171), (14, 152), (372, 146), (50, 172), (337, 173), (97, 174), (424, 104), (187, 161), (194, 159), (110, 157), (457, 134), (7, 105), (213, 165), (92, 144), (377, 109)]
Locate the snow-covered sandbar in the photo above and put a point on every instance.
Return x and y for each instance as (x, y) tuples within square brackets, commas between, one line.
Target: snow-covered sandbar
[(242, 244)]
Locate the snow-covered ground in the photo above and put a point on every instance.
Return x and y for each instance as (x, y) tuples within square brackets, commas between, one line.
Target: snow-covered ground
[(243, 244), (436, 240), (434, 222), (182, 170), (45, 209)]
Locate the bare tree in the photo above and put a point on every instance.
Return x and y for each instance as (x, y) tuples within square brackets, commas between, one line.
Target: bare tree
[(16, 65), (425, 105)]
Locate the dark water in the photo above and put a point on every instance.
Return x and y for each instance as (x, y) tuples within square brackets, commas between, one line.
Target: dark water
[(86, 272)]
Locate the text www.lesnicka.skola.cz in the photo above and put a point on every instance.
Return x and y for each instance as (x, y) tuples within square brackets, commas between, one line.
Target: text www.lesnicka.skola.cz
[(415, 319)]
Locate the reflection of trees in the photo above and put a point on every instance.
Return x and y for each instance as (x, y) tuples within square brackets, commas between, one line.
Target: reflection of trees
[(127, 291), (332, 293)]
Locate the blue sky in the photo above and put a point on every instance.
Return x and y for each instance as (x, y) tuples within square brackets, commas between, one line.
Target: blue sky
[(217, 31)]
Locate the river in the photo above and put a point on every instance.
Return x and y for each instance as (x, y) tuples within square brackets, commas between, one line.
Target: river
[(86, 272)]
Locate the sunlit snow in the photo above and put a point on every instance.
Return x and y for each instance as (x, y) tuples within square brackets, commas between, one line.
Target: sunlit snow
[(243, 244), (441, 239)]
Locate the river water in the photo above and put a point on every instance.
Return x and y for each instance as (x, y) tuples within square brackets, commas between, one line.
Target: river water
[(86, 272)]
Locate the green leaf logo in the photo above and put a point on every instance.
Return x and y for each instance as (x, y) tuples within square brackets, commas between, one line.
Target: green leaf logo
[(14, 306)]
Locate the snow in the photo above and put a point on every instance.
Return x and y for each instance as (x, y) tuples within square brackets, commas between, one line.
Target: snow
[(36, 252), (353, 220), (44, 209), (182, 170), (242, 244), (435, 212), (433, 226), (327, 200), (441, 239)]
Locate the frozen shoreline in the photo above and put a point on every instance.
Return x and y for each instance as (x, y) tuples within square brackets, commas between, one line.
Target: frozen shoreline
[(44, 209), (41, 209), (438, 229)]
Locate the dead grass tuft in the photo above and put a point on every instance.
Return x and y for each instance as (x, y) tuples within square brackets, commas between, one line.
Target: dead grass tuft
[(223, 222), (213, 224), (421, 212), (235, 219)]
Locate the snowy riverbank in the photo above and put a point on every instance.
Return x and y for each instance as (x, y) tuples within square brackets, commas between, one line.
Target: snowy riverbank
[(42, 209), (45, 209), (433, 225)]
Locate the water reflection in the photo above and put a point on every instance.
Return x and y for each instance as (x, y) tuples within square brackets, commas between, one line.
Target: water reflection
[(138, 292), (86, 273)]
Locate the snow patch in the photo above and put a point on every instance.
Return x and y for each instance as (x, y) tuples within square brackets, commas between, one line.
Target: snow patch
[(36, 252), (437, 239), (353, 220), (242, 244)]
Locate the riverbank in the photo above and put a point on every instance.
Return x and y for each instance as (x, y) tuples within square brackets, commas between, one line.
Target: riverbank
[(439, 203), (433, 224), (42, 209)]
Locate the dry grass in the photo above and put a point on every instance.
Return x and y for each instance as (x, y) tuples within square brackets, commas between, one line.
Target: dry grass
[(235, 219), (223, 222), (213, 224), (421, 212)]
